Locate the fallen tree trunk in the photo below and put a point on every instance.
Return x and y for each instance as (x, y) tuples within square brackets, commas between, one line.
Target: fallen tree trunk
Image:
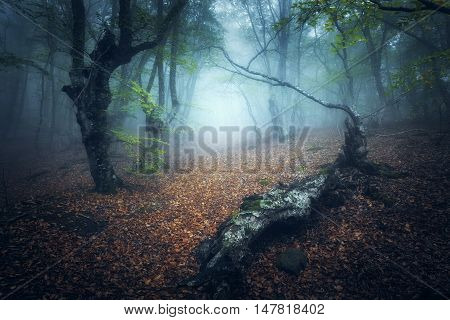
[(224, 258)]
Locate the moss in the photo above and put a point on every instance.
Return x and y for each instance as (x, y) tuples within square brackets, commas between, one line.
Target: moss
[(251, 204), (325, 170), (264, 182), (235, 214), (301, 168)]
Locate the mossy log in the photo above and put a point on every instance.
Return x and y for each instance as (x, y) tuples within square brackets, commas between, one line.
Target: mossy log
[(225, 257)]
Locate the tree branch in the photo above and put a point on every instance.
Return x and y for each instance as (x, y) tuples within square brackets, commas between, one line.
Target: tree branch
[(277, 82), (162, 30), (125, 24), (430, 5), (78, 41), (426, 6)]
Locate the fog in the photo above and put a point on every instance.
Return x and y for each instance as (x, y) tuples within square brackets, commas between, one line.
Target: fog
[(370, 69)]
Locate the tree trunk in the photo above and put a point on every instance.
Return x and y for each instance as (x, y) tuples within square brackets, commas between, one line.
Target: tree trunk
[(151, 80), (160, 61), (283, 38), (375, 65), (350, 92), (41, 106), (21, 104), (189, 97), (173, 72), (140, 68), (153, 125), (279, 100), (161, 82), (93, 121), (52, 76)]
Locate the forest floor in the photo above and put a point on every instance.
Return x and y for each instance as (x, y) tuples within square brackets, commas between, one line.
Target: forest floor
[(60, 240)]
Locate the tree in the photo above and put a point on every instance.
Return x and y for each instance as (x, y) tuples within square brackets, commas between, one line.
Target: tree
[(89, 88)]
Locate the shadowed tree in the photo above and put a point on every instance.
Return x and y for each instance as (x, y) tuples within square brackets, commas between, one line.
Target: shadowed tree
[(90, 74)]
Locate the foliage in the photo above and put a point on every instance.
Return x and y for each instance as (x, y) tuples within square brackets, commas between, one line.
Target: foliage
[(152, 147), (264, 182), (420, 71), (188, 64), (329, 14), (302, 169), (138, 97), (146, 101)]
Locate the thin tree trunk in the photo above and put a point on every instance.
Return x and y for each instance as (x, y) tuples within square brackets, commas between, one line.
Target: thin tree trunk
[(21, 104), (54, 99), (154, 126), (375, 65), (41, 106), (160, 61), (190, 95), (161, 83), (151, 80), (173, 72), (343, 55), (141, 65)]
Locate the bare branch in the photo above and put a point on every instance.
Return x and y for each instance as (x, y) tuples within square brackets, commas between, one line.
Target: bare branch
[(277, 82)]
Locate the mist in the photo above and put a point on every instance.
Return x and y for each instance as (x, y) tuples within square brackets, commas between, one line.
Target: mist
[(205, 149)]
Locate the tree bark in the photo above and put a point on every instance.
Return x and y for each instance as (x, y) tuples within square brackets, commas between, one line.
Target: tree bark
[(92, 118)]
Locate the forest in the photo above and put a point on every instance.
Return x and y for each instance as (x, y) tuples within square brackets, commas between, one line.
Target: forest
[(234, 149)]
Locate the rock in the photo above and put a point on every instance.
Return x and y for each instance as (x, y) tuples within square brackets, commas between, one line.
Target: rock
[(292, 261)]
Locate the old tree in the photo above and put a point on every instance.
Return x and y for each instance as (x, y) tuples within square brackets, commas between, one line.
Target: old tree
[(90, 74)]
